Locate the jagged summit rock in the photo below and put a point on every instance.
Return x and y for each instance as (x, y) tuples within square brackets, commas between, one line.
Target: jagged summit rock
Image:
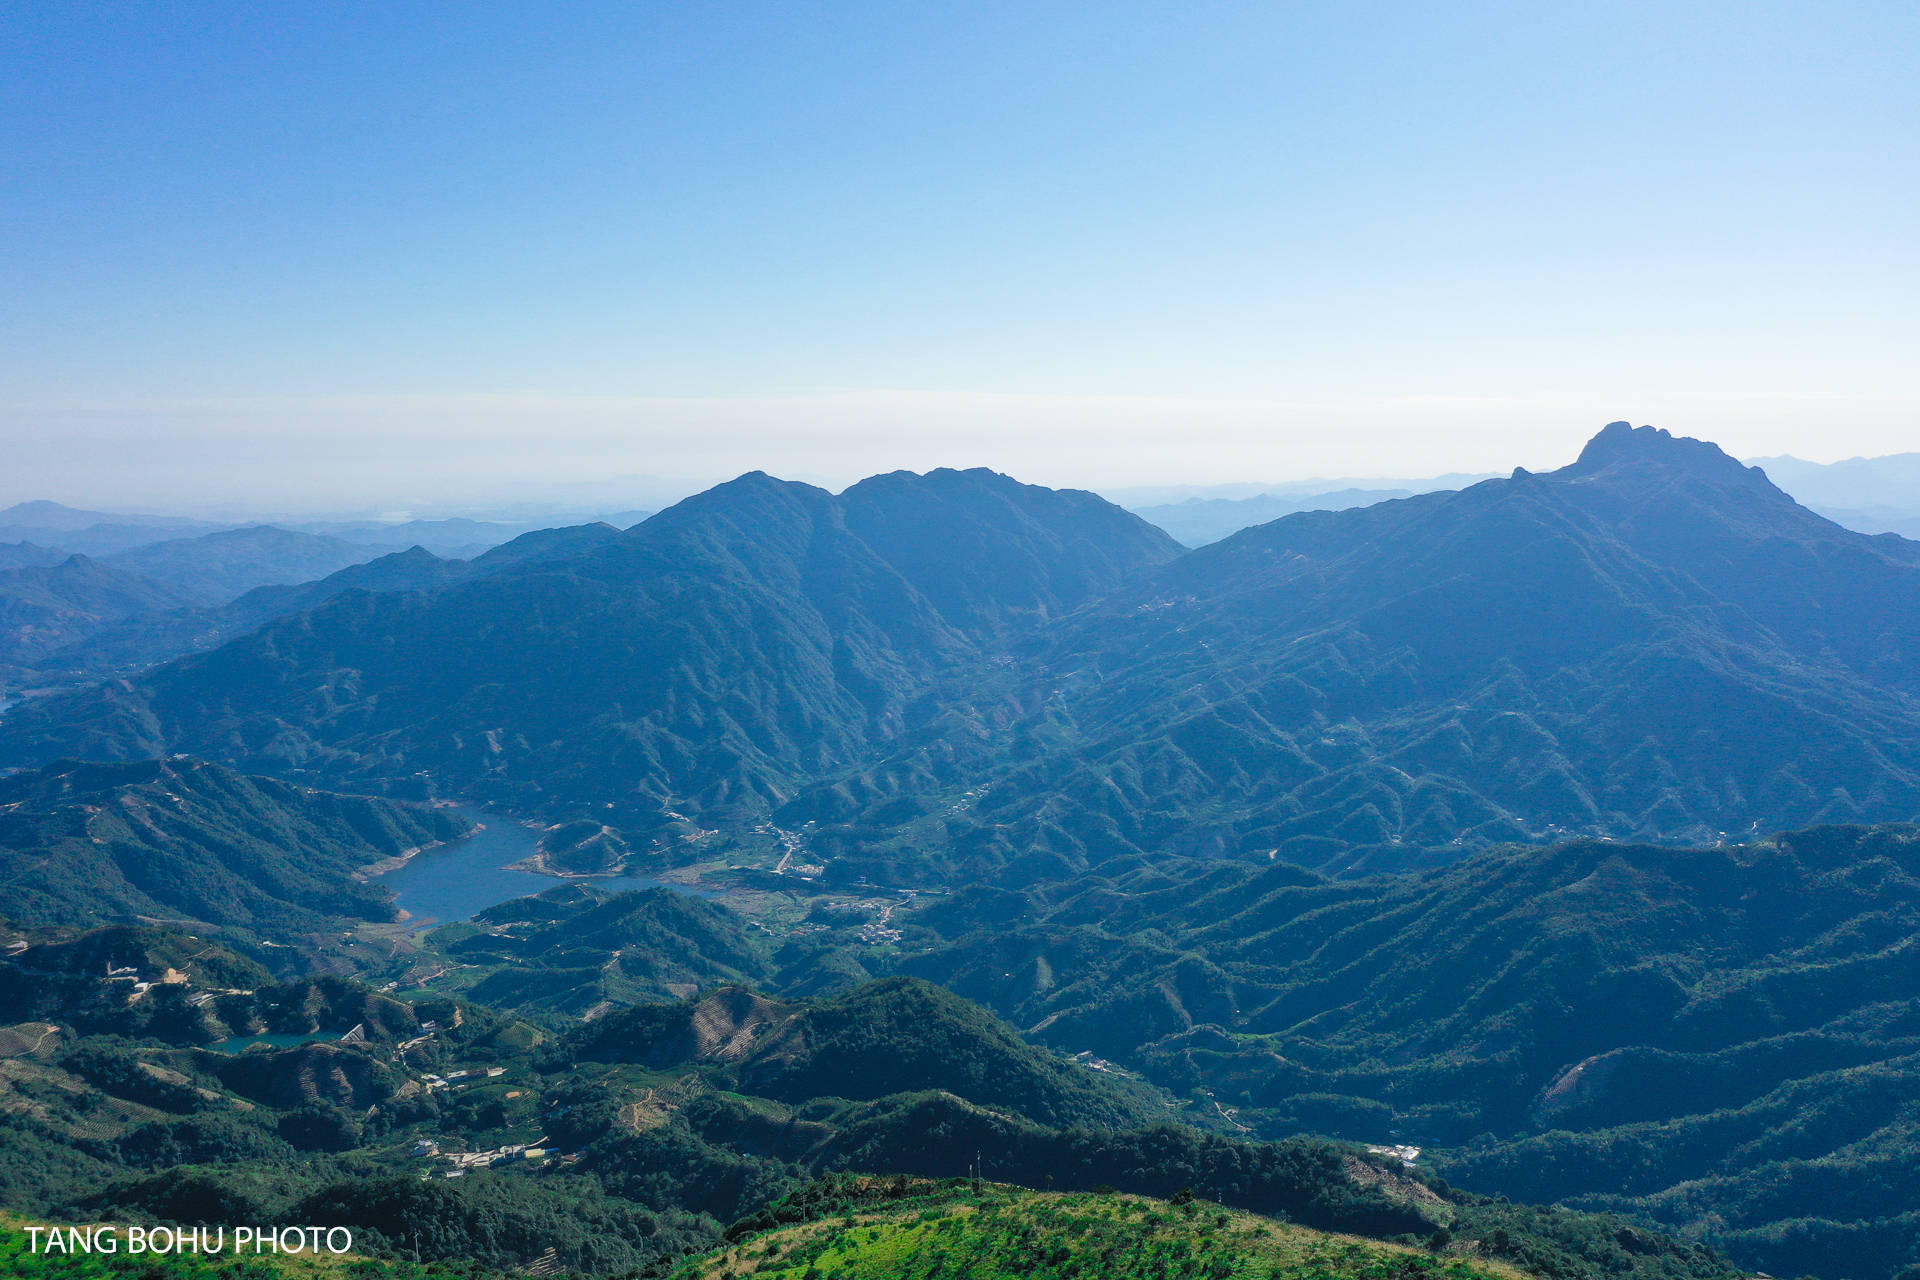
[(1623, 444)]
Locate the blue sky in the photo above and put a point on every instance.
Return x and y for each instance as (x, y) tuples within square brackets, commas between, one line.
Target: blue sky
[(306, 250)]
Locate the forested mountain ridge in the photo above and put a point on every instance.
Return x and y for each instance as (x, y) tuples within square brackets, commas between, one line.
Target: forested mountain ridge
[(443, 1130), (1651, 642), (183, 840), (997, 557), (1720, 1039), (714, 657), (29, 555), (146, 639), (580, 950), (884, 1038), (213, 568), (954, 671), (44, 607)]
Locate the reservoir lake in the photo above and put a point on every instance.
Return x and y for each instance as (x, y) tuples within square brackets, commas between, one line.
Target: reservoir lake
[(240, 1044), (458, 880)]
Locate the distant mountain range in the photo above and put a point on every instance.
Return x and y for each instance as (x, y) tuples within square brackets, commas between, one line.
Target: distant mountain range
[(717, 656), (1199, 514), (1199, 521), (1653, 641), (146, 588), (213, 568), (147, 622), (1868, 495), (95, 533), (27, 555), (1856, 483), (1134, 497), (46, 607), (955, 673), (1873, 495), (278, 544)]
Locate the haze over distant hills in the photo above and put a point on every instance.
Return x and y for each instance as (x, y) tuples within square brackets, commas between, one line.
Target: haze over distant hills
[(1855, 483), (716, 656), (214, 568), (46, 607), (28, 555), (1869, 495), (1134, 497), (1653, 641), (1873, 495), (167, 586), (101, 533), (1199, 521), (1199, 514), (141, 639), (95, 533)]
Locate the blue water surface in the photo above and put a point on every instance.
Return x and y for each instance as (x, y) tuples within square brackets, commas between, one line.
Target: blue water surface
[(461, 879)]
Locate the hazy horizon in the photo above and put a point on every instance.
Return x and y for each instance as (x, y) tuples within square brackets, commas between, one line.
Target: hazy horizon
[(585, 461), (532, 501), (407, 257)]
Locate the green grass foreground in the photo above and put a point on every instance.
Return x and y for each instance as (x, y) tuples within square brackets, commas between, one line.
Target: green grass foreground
[(881, 1229)]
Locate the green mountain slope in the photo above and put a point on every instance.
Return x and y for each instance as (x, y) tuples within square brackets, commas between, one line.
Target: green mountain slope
[(907, 1229), (145, 639), (217, 567), (577, 949), (44, 608), (446, 1131), (885, 1038), (185, 840), (1653, 642), (1721, 1039), (712, 658)]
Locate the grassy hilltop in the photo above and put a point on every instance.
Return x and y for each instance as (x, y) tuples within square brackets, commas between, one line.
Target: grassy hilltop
[(908, 1229)]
